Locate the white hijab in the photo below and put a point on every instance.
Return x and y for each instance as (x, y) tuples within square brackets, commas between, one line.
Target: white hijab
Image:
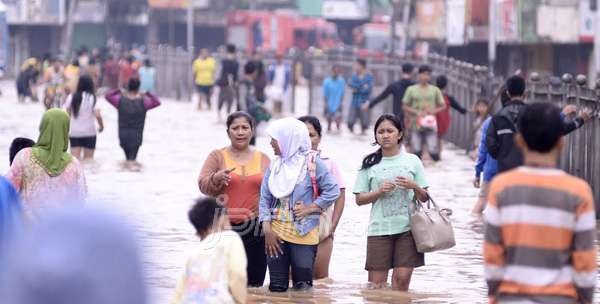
[(294, 144)]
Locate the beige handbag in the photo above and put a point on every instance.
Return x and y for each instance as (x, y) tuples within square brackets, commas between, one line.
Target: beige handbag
[(431, 227)]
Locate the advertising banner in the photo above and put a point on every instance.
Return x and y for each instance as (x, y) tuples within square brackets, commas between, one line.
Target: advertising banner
[(556, 23), (430, 19), (50, 12), (508, 25), (455, 22)]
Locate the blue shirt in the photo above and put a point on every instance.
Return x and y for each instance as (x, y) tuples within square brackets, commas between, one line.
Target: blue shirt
[(485, 162), (333, 92), (147, 77), (361, 89), (303, 192)]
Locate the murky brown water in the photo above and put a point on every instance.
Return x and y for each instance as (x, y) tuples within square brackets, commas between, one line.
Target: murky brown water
[(177, 140)]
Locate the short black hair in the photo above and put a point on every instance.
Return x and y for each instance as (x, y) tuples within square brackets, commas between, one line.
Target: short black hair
[(230, 48), (205, 212), (239, 114), (515, 85), (249, 67), (541, 126), (17, 145), (441, 82), (407, 68), (314, 121), (424, 69), (147, 62), (362, 62), (134, 84)]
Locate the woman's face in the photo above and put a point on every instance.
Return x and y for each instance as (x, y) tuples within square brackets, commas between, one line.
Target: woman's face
[(387, 135), (240, 133), (315, 139), (275, 146)]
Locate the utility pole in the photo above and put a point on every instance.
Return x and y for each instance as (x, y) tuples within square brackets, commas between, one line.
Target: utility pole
[(393, 27), (492, 35), (405, 24), (190, 27), (68, 32)]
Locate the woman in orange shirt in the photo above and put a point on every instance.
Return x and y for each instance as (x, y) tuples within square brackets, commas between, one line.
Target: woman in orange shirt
[(234, 175)]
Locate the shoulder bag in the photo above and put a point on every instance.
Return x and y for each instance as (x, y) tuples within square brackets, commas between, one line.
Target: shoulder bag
[(431, 227)]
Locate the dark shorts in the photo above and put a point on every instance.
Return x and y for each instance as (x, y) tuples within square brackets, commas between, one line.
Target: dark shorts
[(204, 89), (391, 251), (83, 142)]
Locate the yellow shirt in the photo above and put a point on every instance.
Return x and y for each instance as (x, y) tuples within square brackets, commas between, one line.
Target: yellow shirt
[(204, 71), (284, 227)]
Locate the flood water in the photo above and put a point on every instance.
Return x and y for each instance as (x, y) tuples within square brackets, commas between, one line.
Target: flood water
[(155, 201)]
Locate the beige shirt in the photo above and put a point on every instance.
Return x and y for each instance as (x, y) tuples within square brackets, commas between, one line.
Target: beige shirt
[(215, 272)]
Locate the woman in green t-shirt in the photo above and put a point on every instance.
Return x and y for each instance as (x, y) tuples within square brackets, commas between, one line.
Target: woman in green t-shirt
[(389, 179)]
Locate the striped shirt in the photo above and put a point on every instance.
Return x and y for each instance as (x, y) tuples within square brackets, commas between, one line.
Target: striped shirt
[(539, 238)]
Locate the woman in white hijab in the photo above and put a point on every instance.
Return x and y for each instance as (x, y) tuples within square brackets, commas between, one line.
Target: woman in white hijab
[(295, 190)]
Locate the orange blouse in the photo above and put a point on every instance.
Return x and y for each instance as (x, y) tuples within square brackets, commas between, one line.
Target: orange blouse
[(242, 194)]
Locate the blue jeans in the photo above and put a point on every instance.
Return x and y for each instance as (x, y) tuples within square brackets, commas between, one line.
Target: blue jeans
[(301, 258)]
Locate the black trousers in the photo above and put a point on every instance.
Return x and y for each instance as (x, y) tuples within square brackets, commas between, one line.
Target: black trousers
[(254, 243), (131, 152)]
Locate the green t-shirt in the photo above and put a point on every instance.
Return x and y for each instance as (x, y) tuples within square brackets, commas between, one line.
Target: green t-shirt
[(389, 214), (420, 98)]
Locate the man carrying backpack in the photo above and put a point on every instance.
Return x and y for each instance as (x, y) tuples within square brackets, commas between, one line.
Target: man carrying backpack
[(500, 134)]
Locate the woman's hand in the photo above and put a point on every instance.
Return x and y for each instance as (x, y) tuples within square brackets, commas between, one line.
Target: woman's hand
[(272, 241), (387, 187), (420, 193), (406, 183), (222, 178), (301, 210)]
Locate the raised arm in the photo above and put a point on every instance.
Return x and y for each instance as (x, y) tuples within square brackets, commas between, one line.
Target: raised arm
[(113, 97), (456, 106), (212, 165), (151, 101), (383, 95)]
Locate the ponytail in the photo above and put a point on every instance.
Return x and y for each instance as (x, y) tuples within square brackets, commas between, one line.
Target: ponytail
[(372, 159), (76, 103)]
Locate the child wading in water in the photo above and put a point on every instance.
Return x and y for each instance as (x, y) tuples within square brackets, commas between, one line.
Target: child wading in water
[(215, 272)]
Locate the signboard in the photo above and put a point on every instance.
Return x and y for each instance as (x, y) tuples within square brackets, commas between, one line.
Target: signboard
[(345, 9), (90, 12), (528, 20), (430, 19), (477, 19), (455, 22), (508, 25), (51, 12), (551, 18)]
